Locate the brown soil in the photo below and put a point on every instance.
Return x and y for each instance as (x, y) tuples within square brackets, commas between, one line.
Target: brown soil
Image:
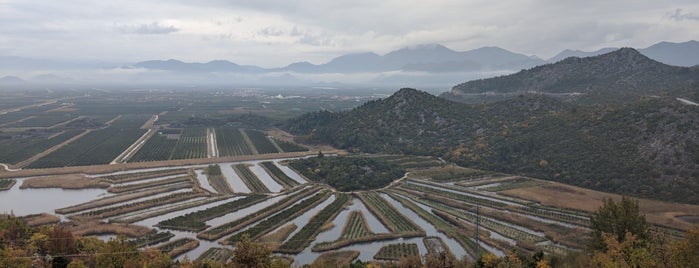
[(335, 258), (73, 181), (567, 196), (275, 239), (85, 228), (41, 219)]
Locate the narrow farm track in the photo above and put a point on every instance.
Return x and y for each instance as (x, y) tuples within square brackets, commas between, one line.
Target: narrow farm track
[(48, 151), (133, 148), (248, 141), (211, 142)]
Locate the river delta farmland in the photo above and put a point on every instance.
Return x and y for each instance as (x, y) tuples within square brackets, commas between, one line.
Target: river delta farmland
[(192, 177)]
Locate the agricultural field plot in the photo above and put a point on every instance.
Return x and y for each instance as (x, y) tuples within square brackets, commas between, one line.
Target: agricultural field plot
[(356, 226), (217, 180), (195, 221), (98, 147), (178, 247), (393, 252), (191, 144), (261, 142), (6, 184), (151, 239), (10, 117), (280, 218), (250, 179), (308, 233), (231, 142), (278, 175), (389, 215), (17, 150), (287, 147), (46, 119), (157, 148), (216, 254)]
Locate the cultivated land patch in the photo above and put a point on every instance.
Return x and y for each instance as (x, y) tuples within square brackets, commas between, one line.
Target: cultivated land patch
[(74, 181), (572, 197)]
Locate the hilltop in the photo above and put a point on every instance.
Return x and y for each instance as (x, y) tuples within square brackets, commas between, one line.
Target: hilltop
[(648, 148), (618, 76)]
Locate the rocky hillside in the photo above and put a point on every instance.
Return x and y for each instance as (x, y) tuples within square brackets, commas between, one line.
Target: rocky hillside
[(616, 77), (647, 148)]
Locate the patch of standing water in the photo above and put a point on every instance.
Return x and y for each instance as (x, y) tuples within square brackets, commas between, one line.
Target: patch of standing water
[(291, 173), (24, 202), (233, 179), (151, 222), (430, 230), (260, 172), (243, 212), (203, 181), (302, 220)]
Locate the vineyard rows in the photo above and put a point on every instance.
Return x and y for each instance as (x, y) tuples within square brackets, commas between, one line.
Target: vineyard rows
[(280, 218), (217, 180), (288, 147), (389, 215), (195, 221), (250, 179), (230, 227), (6, 184), (191, 144), (356, 226), (278, 175), (135, 206), (308, 233), (393, 252), (231, 142), (136, 186), (151, 238), (261, 142)]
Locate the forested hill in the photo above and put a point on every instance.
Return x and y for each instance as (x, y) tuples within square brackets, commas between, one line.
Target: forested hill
[(619, 76), (648, 148)]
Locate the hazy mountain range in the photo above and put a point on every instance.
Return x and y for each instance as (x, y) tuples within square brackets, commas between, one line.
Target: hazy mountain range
[(413, 66)]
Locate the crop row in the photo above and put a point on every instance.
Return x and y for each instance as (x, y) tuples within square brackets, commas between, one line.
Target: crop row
[(151, 238), (6, 184), (514, 184), (135, 206), (393, 252), (18, 150), (261, 142), (555, 215), (289, 147), (137, 176), (356, 226), (216, 254), (157, 148), (233, 226), (280, 218), (136, 186), (179, 246), (308, 233), (389, 215), (217, 180), (440, 224), (195, 221), (231, 142), (477, 193), (278, 175), (500, 228), (191, 144), (114, 199), (452, 195), (44, 120), (251, 181), (97, 147)]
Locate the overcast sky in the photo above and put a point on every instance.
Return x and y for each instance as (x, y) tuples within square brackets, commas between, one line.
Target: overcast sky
[(276, 33)]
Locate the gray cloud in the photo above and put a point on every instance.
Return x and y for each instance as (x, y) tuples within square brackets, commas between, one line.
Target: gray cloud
[(680, 15), (152, 28)]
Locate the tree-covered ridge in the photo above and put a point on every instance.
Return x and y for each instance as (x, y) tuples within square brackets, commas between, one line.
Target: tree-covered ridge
[(618, 76), (351, 173), (648, 148)]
